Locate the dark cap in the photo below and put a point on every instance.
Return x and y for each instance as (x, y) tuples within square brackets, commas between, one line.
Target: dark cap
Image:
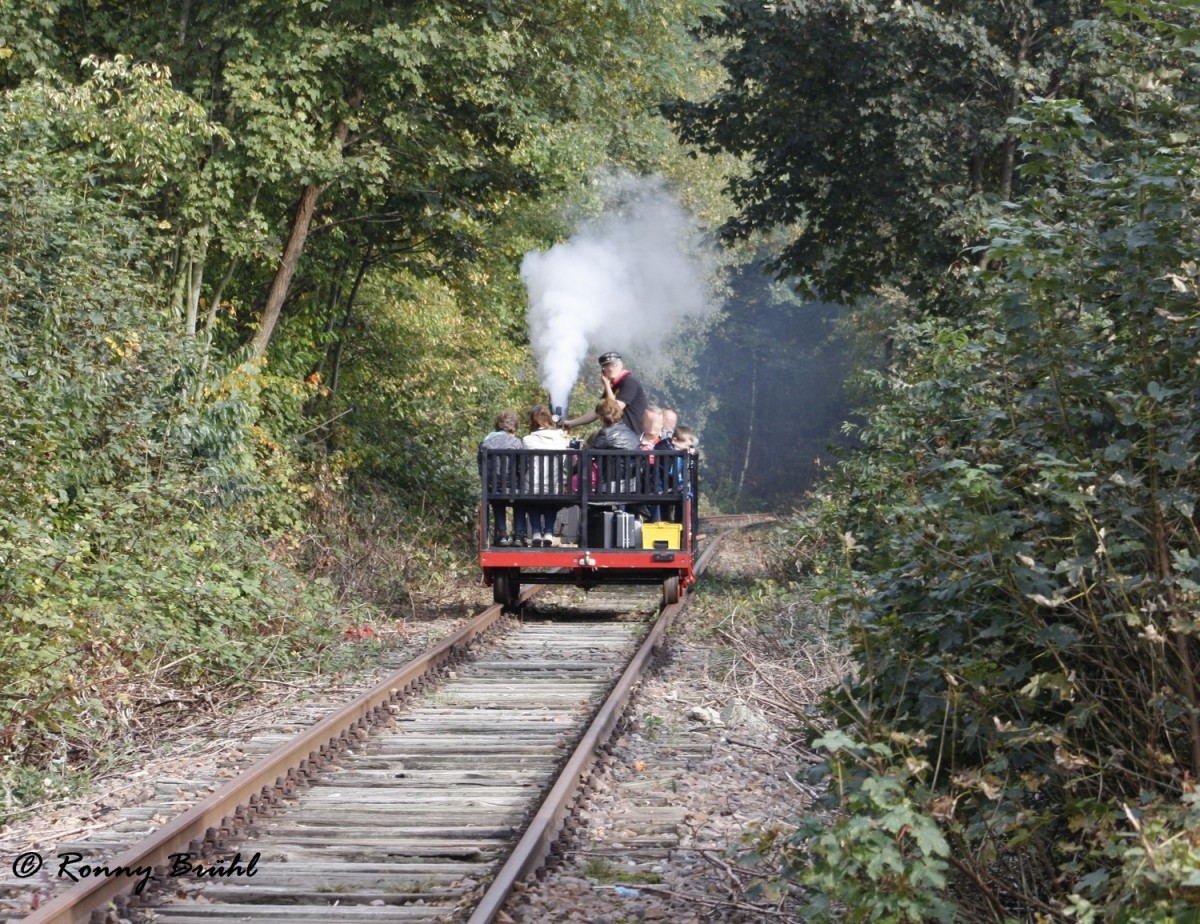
[(606, 358)]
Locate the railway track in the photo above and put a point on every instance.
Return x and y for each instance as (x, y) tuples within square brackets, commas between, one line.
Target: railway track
[(427, 798)]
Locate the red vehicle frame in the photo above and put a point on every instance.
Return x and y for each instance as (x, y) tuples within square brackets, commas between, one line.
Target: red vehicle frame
[(656, 489)]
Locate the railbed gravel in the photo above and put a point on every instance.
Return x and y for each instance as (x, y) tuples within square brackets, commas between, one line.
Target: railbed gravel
[(694, 770)]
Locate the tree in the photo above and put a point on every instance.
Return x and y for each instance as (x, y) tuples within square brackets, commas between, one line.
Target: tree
[(1022, 525), (398, 120), (875, 132), (343, 187), (133, 510)]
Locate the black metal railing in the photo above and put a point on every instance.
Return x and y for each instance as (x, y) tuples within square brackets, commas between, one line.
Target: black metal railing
[(655, 486)]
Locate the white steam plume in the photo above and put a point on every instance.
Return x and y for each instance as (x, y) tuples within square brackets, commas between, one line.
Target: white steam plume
[(624, 281)]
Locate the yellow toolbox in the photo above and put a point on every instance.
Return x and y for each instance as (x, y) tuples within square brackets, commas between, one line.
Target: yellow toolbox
[(661, 535)]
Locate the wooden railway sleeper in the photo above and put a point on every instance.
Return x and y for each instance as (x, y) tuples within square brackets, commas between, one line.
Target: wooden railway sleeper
[(266, 799)]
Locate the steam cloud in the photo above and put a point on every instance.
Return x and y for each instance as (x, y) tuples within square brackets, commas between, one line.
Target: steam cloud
[(624, 281)]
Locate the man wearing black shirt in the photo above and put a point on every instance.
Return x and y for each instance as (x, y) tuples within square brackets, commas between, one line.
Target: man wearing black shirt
[(623, 386)]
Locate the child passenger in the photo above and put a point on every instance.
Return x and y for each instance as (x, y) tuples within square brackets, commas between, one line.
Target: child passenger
[(684, 437)]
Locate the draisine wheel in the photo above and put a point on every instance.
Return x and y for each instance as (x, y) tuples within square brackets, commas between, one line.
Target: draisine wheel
[(506, 587), (671, 590)]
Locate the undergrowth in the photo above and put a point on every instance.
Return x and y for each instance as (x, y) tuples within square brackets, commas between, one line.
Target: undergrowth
[(1013, 556), (167, 532)]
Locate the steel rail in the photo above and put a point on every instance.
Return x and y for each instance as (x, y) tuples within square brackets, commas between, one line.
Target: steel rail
[(273, 776), (279, 773), (539, 838), (738, 520)]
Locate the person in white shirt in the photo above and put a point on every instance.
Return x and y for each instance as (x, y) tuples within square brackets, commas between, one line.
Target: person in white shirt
[(545, 476)]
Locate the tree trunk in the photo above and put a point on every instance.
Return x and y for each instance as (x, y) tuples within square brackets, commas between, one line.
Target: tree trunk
[(331, 319), (195, 278), (749, 432), (301, 225), (1009, 163), (336, 371), (185, 13)]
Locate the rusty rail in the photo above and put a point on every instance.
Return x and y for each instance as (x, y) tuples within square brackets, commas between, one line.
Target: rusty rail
[(544, 830), (276, 775)]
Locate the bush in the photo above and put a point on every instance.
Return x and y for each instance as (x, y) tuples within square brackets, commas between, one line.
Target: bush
[(1021, 528), (142, 543)]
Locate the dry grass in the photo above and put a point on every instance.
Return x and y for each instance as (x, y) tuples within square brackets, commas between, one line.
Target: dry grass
[(773, 645)]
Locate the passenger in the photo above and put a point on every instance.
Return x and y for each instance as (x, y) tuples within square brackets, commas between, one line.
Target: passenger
[(652, 473), (614, 432), (670, 420), (614, 472), (682, 440), (621, 385), (652, 424), (547, 474), (500, 479), (685, 438)]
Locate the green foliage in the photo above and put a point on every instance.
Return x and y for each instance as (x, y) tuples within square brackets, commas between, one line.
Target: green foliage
[(1020, 528), (129, 555), (151, 161), (874, 133), (884, 859), (412, 127), (440, 141), (426, 383), (24, 46)]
